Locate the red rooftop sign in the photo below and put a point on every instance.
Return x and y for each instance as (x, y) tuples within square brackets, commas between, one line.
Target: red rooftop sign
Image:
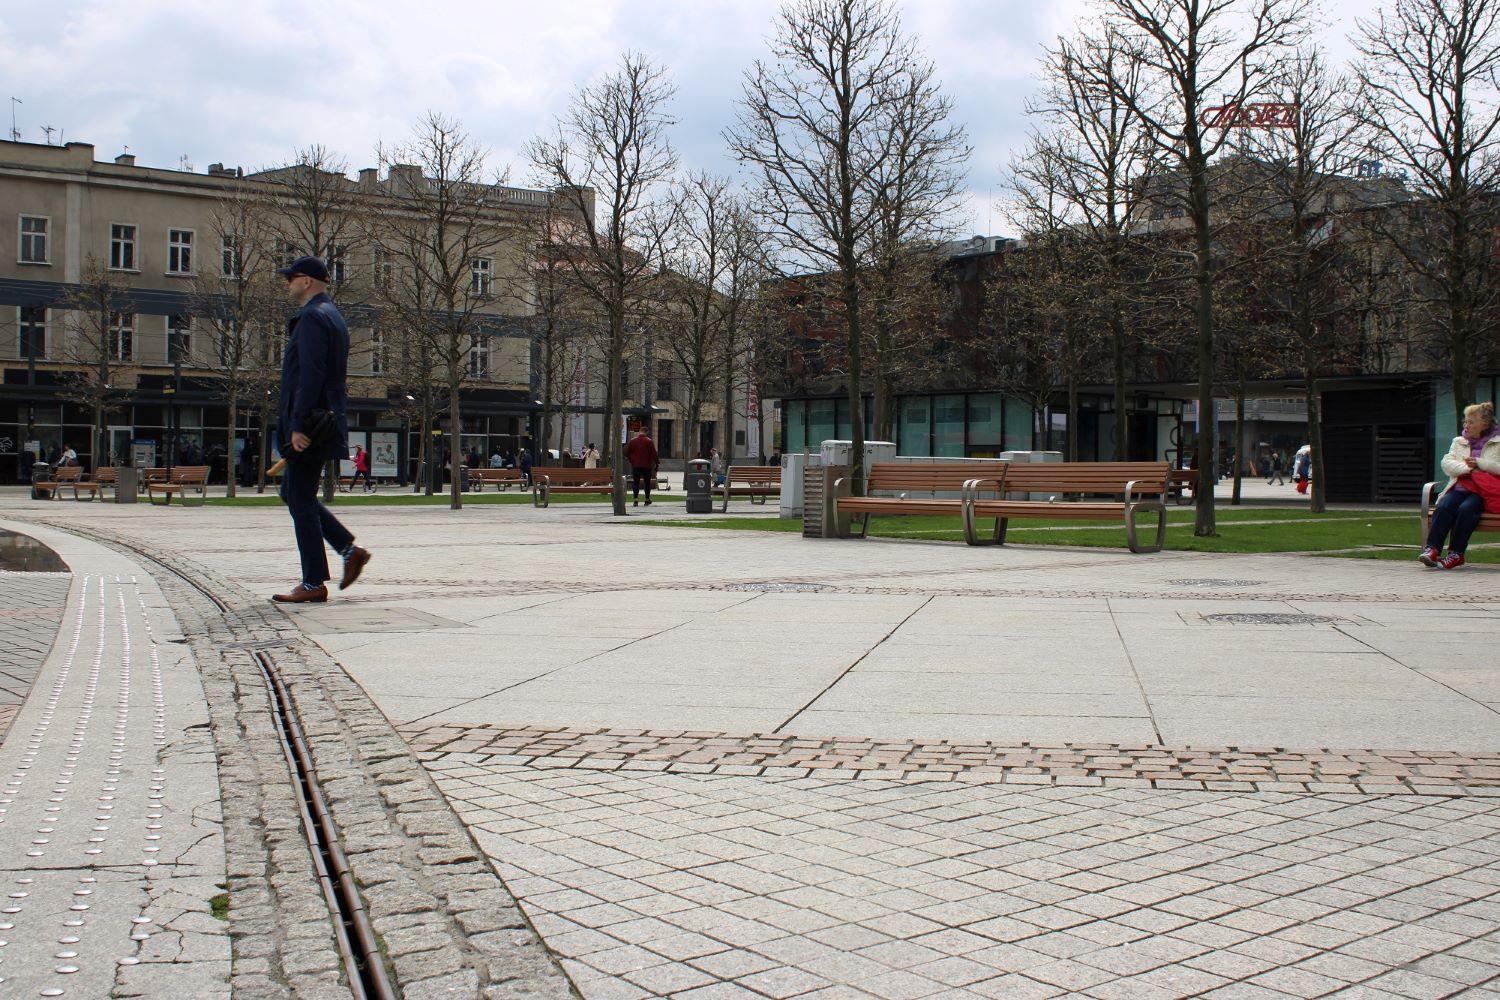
[(1250, 116)]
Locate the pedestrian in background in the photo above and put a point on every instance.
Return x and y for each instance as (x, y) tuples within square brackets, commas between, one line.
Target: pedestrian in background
[(591, 457), (525, 463), (641, 454)]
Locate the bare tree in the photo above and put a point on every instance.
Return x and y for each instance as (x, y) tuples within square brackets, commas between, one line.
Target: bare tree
[(740, 315), (237, 296), (558, 315), (442, 230), (99, 348), (1308, 267), (1103, 158), (1430, 100), (317, 207), (1192, 53), (845, 93), (612, 146)]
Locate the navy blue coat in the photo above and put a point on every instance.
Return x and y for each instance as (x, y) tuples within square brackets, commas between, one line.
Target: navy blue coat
[(314, 375)]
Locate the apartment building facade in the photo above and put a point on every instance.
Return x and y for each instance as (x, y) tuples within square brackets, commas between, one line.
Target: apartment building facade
[(62, 212)]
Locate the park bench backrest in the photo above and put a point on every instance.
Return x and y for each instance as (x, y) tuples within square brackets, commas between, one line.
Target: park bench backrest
[(67, 473), (563, 476), (190, 475), (1087, 477), (106, 474), (754, 475), (934, 477)]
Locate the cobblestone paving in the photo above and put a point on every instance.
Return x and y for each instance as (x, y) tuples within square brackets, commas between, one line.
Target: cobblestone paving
[(1100, 765), (111, 846), (31, 610), (652, 885)]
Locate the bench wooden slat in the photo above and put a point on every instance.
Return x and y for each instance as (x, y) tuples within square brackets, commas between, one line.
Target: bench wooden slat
[(906, 478), (763, 481), (565, 479)]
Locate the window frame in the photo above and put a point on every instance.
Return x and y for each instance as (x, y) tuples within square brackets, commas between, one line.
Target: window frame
[(481, 273), (117, 326), (173, 247), (479, 356), (229, 253), (22, 235), (185, 334), (135, 246), (378, 356), (46, 328), (336, 260)]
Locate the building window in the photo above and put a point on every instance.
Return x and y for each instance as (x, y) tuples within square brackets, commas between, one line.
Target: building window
[(664, 389), (34, 239), (276, 344), (377, 352), (122, 247), (32, 325), (479, 276), (179, 339), (122, 336), (336, 265), (285, 253), (385, 268), (179, 251), (229, 257), (479, 356)]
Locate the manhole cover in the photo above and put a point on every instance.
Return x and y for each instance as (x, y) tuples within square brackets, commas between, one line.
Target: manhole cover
[(256, 645), (1209, 583), (1267, 618), (780, 587)]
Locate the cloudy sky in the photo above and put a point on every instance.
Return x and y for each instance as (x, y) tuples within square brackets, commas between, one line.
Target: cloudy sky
[(247, 84)]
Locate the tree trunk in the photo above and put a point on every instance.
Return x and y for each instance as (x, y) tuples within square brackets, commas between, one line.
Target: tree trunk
[(1204, 524), (230, 466), (614, 417), (729, 411), (1239, 438), (1072, 439), (424, 448), (1117, 350), (265, 454), (856, 375), (456, 451), (1317, 503)]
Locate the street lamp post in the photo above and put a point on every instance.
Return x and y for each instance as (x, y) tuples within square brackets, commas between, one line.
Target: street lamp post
[(171, 393)]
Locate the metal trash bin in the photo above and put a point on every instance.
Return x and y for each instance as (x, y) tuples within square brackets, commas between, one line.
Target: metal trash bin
[(698, 482), (40, 473), (127, 484)]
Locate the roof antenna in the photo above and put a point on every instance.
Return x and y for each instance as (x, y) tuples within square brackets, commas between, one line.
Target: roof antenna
[(15, 133), (48, 129)]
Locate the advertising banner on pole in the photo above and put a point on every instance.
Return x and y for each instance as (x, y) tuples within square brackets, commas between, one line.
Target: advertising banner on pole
[(383, 452)]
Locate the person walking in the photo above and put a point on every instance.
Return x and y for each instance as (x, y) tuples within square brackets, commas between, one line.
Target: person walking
[(524, 463), (641, 454), (591, 457), (314, 392), (361, 468), (1277, 475), (716, 466), (1302, 468)]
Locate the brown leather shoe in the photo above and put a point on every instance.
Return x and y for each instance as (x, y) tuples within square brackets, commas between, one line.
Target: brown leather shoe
[(353, 566), (302, 594)]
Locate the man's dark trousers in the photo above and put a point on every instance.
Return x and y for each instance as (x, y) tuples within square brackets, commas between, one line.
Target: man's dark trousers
[(640, 477), (311, 520)]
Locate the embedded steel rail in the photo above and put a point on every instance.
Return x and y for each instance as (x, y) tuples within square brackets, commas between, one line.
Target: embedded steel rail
[(363, 963)]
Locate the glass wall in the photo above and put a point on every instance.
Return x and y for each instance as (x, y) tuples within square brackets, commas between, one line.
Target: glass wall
[(913, 426), (984, 425), (1018, 425), (949, 414), (820, 422), (794, 424)]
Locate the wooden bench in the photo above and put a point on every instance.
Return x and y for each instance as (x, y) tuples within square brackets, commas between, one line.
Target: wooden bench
[(152, 475), (502, 479), (1184, 480), (1143, 487), (547, 480), (1487, 521), (750, 481), (181, 480), (903, 479), (105, 477), (63, 477)]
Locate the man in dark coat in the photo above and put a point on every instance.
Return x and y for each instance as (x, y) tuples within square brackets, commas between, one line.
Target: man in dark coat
[(640, 453), (313, 379)]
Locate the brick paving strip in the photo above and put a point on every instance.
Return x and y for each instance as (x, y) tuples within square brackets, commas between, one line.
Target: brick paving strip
[(446, 922), (31, 612), (1250, 769)]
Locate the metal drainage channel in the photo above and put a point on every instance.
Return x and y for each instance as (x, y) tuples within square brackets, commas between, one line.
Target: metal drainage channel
[(352, 929)]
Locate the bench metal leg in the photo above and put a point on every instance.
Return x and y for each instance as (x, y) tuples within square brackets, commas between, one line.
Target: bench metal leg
[(971, 528), (541, 496), (1131, 538)]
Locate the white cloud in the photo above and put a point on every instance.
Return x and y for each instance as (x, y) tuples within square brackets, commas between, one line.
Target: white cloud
[(248, 83)]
